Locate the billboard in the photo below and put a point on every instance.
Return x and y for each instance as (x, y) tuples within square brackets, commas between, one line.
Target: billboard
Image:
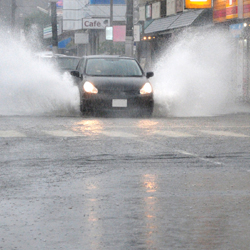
[(81, 38), (179, 6), (219, 11), (148, 11), (59, 4), (142, 16), (47, 31), (231, 9), (198, 4), (225, 10), (76, 10), (156, 10), (109, 33), (119, 33), (59, 7), (246, 8), (137, 33), (171, 7)]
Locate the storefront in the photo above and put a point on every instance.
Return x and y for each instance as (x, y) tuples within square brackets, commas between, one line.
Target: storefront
[(241, 34), (234, 15), (158, 33)]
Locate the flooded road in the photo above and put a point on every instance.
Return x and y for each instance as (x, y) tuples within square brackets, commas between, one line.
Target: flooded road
[(98, 183), (177, 181)]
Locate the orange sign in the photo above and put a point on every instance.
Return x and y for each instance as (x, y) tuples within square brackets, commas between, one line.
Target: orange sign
[(198, 4), (246, 8), (219, 11), (225, 10), (232, 9)]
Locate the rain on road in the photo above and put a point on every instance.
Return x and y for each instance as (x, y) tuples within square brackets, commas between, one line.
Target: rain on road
[(101, 183)]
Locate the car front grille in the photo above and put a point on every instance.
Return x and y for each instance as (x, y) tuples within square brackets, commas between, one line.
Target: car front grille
[(119, 92)]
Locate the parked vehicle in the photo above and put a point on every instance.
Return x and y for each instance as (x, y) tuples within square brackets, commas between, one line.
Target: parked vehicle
[(63, 62), (67, 63)]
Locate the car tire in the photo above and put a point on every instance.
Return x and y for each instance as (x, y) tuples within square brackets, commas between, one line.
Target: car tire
[(81, 108), (86, 111), (147, 113)]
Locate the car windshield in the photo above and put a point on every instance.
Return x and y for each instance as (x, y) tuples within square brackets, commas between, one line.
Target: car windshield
[(67, 63), (112, 67)]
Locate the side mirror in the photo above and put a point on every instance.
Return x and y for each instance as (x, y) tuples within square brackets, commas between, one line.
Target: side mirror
[(75, 73), (149, 74)]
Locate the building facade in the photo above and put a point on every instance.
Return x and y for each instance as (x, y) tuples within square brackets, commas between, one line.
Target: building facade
[(161, 21), (91, 18)]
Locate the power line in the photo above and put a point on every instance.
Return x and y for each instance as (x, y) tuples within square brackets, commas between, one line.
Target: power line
[(84, 6)]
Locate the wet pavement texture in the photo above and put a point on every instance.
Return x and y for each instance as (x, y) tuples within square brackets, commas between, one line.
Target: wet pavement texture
[(94, 183)]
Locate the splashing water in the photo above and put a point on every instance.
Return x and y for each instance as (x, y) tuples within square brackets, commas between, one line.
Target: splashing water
[(194, 75), (32, 87)]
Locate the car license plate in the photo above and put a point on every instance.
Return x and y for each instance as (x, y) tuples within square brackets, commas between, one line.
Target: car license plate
[(119, 103)]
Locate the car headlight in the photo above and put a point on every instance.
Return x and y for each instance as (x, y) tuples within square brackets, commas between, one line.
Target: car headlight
[(146, 89), (90, 88)]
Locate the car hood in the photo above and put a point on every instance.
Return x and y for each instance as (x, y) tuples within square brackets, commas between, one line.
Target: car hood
[(117, 83)]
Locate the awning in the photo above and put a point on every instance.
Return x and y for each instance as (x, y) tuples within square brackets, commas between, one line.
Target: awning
[(62, 44), (180, 20)]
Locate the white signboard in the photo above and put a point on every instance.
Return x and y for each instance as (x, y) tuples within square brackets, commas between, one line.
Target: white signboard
[(179, 5), (81, 38), (109, 33), (142, 13), (171, 7), (148, 11), (156, 10), (137, 33), (95, 23), (47, 32)]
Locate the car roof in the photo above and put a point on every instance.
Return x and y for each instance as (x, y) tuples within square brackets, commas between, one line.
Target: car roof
[(108, 56), (64, 56), (51, 55)]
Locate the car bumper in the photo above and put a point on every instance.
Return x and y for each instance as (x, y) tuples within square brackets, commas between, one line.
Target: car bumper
[(134, 104)]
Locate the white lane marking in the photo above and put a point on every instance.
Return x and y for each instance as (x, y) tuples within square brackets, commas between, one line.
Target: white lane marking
[(198, 157), (172, 133), (118, 134), (11, 133), (223, 133), (61, 133)]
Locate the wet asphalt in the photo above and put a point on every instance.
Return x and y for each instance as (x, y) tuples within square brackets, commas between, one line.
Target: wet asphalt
[(103, 183)]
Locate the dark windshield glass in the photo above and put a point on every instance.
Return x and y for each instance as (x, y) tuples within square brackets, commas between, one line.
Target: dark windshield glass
[(112, 67)]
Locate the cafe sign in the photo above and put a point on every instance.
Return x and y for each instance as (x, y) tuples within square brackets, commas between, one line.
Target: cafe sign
[(95, 23)]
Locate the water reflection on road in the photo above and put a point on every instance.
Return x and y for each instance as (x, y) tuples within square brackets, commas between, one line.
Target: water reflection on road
[(153, 204), (150, 209), (88, 127)]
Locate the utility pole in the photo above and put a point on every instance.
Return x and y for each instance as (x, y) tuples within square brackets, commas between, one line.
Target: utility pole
[(54, 26), (129, 29), (111, 24), (13, 14), (111, 12)]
